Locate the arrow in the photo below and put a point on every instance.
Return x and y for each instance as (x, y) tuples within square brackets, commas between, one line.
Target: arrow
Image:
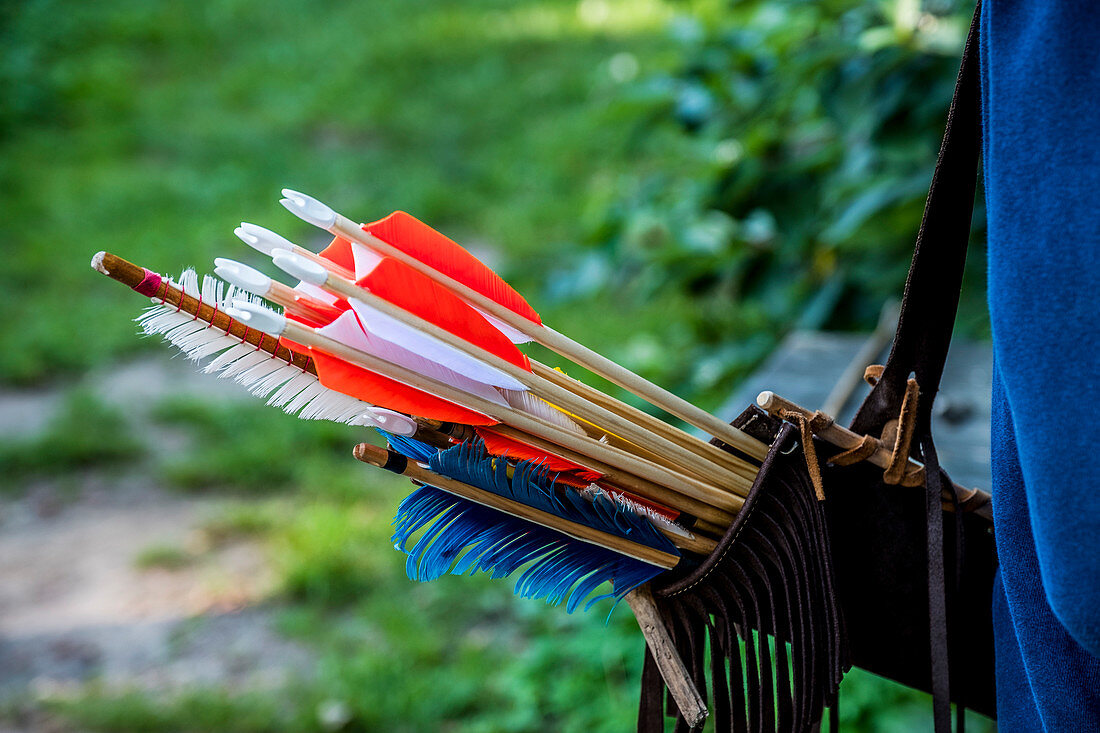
[(726, 470), (486, 412), (410, 241)]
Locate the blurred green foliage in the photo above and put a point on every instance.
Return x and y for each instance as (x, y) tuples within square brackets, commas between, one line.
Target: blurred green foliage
[(67, 445), (796, 144), (152, 129), (233, 445), (163, 557)]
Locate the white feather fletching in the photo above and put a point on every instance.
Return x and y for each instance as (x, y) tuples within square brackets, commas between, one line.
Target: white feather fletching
[(532, 405), (390, 329), (514, 335), (430, 347), (347, 330), (297, 392)]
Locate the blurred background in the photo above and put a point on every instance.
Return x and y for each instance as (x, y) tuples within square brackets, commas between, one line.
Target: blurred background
[(676, 183)]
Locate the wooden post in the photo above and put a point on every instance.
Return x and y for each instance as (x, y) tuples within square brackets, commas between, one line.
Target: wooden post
[(972, 500), (672, 668)]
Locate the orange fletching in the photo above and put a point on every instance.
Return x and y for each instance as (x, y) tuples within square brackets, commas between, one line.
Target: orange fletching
[(404, 287), (355, 381), (313, 313), (339, 252), (418, 240)]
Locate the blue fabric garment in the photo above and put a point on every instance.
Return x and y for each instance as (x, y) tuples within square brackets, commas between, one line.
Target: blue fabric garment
[(1041, 109)]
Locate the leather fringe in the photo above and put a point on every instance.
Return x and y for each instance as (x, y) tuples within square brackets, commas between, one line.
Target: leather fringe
[(761, 614)]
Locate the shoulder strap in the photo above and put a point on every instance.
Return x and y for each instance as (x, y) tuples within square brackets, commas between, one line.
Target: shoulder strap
[(923, 336), (935, 276)]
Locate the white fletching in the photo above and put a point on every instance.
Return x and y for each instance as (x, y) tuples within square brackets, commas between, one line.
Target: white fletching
[(512, 334), (347, 330), (286, 386), (308, 209), (394, 331), (242, 276), (256, 316), (317, 293), (658, 520), (390, 329), (391, 422), (365, 260), (300, 267), (532, 405), (261, 239)]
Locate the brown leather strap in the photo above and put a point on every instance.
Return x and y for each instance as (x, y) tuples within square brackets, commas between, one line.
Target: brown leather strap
[(866, 448), (807, 427), (873, 373), (924, 333), (907, 422), (935, 274)]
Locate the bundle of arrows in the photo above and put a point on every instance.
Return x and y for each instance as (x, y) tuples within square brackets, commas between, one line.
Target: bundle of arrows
[(520, 468)]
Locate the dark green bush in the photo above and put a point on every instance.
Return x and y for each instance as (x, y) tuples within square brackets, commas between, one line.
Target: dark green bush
[(797, 142)]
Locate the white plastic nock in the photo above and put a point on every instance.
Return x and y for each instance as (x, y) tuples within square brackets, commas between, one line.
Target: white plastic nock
[(390, 421), (308, 209), (242, 276), (257, 317), (263, 240), (300, 267)]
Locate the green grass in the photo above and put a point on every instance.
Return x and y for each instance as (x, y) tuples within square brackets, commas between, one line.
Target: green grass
[(202, 709), (163, 557), (70, 443), (250, 448), (152, 130), (244, 520)]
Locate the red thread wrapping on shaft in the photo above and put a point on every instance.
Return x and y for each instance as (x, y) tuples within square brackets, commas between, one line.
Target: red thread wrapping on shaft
[(149, 284)]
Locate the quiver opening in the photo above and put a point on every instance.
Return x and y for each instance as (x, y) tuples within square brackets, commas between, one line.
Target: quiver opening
[(761, 613)]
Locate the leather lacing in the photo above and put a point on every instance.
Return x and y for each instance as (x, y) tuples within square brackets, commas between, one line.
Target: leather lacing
[(897, 432)]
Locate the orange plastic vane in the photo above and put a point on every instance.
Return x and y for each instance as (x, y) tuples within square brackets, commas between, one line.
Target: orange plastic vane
[(418, 294), (339, 252), (355, 381), (418, 240)]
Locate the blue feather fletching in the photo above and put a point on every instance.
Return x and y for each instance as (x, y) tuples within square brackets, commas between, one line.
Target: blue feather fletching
[(463, 536), (409, 447)]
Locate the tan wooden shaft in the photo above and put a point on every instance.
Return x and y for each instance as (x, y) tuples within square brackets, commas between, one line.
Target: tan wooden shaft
[(655, 395), (640, 451), (324, 262), (536, 426), (738, 482), (685, 540), (669, 663), (563, 345), (710, 529), (628, 481), (844, 438), (629, 412), (379, 456), (130, 274), (455, 431)]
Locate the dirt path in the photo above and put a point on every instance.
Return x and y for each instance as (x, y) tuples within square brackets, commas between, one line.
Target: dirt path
[(74, 605)]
